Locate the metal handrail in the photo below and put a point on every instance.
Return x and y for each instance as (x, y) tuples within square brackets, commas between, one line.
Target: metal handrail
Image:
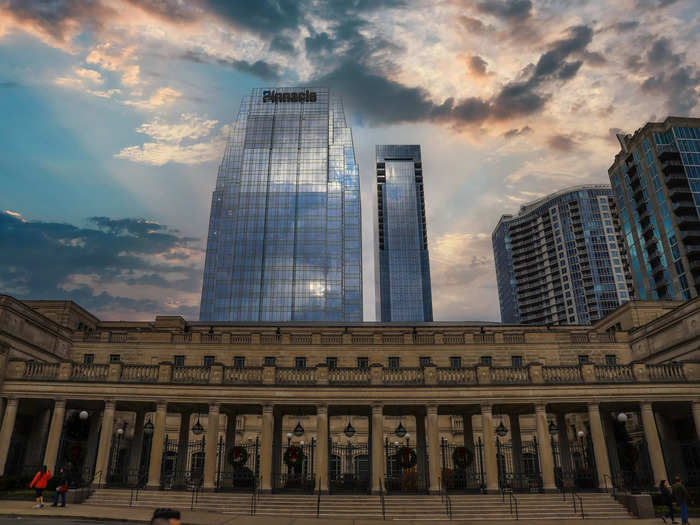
[(257, 483), (318, 504), (381, 498), (512, 499), (446, 499), (580, 504), (195, 495)]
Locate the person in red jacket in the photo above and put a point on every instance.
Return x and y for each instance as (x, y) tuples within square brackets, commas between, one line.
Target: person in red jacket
[(39, 484)]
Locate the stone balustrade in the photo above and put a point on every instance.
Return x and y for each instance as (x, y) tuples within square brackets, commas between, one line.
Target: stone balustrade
[(252, 375), (535, 373), (191, 374), (139, 373), (349, 376)]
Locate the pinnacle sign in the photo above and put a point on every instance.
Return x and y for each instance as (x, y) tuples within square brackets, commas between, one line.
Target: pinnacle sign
[(302, 96)]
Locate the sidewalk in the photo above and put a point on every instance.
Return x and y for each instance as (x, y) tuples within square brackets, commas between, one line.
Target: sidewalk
[(94, 512)]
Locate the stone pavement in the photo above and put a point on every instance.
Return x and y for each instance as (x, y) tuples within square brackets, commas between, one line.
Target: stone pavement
[(110, 514)]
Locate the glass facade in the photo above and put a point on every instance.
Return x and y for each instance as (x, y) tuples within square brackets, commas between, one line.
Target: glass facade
[(403, 286), (656, 180), (284, 239), (561, 260)]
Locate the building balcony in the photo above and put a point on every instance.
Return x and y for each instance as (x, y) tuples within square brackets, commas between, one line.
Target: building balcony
[(667, 152), (676, 180)]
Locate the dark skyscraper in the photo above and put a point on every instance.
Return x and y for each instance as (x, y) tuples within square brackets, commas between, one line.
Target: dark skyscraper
[(403, 269), (285, 237), (656, 180), (561, 260)]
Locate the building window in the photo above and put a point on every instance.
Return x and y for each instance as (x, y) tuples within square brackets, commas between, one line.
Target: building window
[(239, 361), (299, 362), (393, 362), (455, 362), (208, 360), (269, 361), (115, 358), (363, 362), (179, 360), (332, 362), (516, 361), (485, 360), (88, 359), (424, 361), (583, 359), (611, 359)]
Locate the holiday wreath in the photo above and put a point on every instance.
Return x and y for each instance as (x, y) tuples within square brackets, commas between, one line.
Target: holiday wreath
[(293, 456), (462, 457), (237, 456), (406, 457)]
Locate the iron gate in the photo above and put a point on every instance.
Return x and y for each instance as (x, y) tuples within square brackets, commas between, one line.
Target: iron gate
[(348, 467), (632, 468), (463, 466), (186, 472), (295, 470), (578, 469), (238, 465), (405, 472), (682, 459), (520, 476)]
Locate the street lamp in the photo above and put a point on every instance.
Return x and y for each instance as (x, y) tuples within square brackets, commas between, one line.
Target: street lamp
[(400, 430), (553, 428), (289, 438), (298, 430), (408, 439), (197, 428), (349, 429), (83, 415), (622, 417), (501, 430), (148, 427)]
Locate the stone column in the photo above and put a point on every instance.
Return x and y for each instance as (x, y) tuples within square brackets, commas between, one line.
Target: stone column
[(545, 448), (600, 451), (656, 455), (266, 448), (322, 448), (8, 426), (420, 447), (156, 460), (564, 448), (183, 447), (517, 444), (55, 431), (695, 407), (490, 452), (377, 440), (468, 431), (434, 448), (210, 456), (136, 447), (105, 444)]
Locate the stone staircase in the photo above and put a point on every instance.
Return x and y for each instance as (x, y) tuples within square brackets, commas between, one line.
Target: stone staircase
[(363, 506)]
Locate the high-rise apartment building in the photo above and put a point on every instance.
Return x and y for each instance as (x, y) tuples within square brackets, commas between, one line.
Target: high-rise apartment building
[(285, 237), (561, 260), (656, 180), (401, 255)]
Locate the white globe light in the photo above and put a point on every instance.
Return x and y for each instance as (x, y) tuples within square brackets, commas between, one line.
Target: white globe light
[(622, 417), (580, 433), (83, 415), (407, 435), (120, 431), (301, 442), (289, 435)]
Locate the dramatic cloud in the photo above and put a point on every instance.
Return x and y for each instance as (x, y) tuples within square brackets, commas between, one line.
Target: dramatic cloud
[(179, 142), (112, 267), (561, 143), (506, 9)]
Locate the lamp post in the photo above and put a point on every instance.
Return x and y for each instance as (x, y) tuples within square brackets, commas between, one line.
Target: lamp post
[(408, 439)]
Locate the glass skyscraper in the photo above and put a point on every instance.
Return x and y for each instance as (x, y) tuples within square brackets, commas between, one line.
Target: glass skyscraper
[(656, 179), (403, 267), (562, 259), (285, 237)]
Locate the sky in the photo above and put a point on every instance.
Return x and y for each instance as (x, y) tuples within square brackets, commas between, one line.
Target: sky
[(114, 116)]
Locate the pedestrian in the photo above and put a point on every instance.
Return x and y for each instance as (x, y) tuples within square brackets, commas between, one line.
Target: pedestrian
[(39, 482), (681, 497), (166, 517), (667, 498), (61, 487)]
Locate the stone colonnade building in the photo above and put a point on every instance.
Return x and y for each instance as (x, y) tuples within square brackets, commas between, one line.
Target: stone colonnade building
[(359, 406)]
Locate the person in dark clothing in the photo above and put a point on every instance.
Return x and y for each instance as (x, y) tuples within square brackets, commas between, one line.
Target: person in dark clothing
[(681, 496), (667, 497), (61, 488)]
